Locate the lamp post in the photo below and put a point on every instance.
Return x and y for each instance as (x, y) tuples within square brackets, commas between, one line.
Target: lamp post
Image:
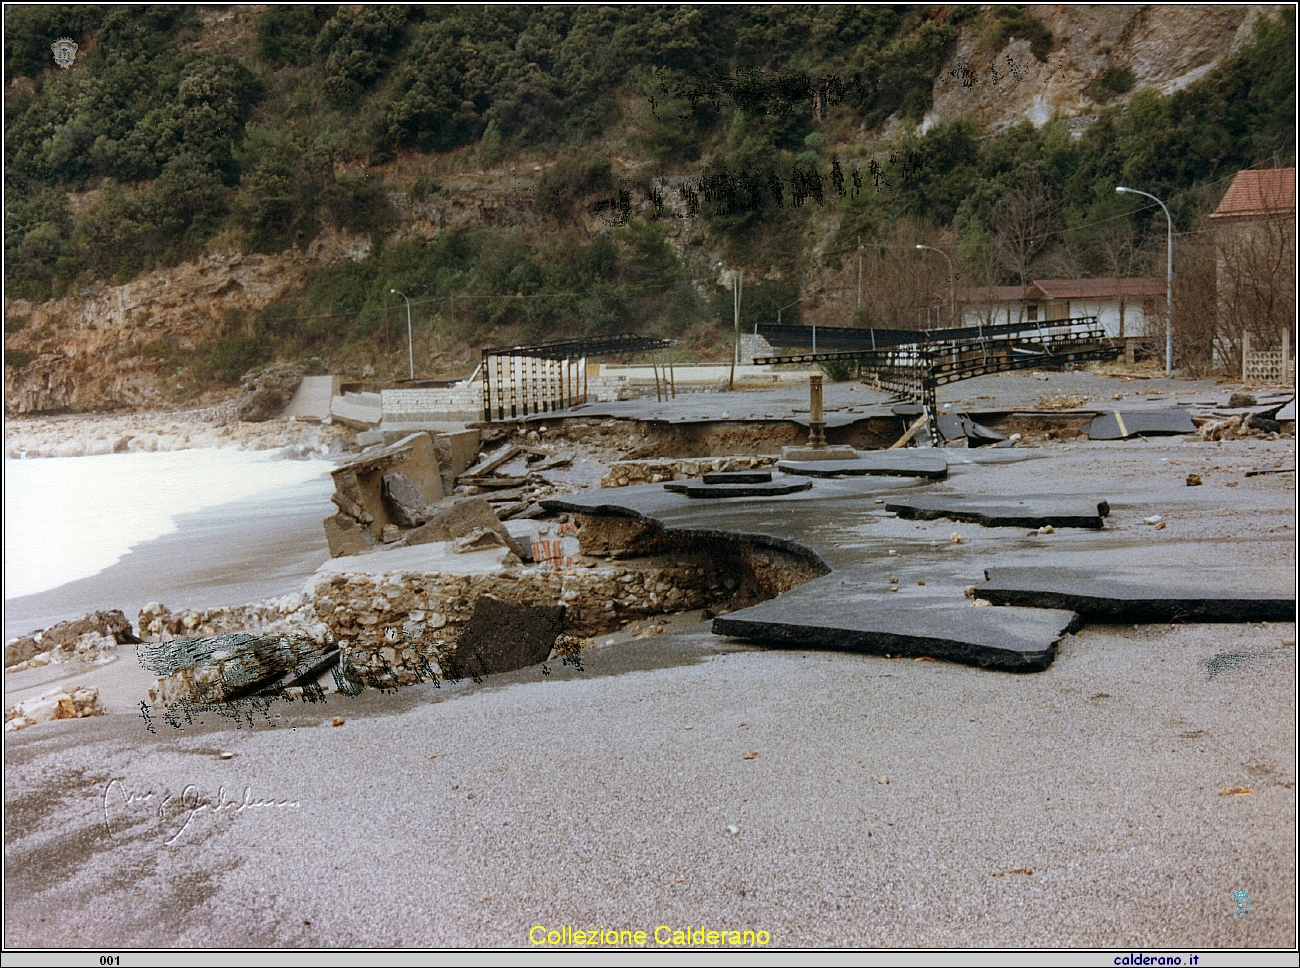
[(737, 280), (952, 291), (410, 351), (778, 321), (1169, 277)]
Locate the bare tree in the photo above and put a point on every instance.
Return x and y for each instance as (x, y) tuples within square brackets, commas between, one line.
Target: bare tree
[(1195, 303), (901, 286), (1022, 226), (1256, 284)]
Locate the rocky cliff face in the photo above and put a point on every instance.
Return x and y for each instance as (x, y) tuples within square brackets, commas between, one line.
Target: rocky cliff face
[(103, 349), (1166, 47)]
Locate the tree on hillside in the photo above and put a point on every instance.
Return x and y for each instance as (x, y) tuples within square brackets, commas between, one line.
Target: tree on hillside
[(1022, 225)]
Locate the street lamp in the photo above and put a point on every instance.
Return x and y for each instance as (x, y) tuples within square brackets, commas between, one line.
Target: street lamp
[(1169, 278), (952, 292), (410, 352)]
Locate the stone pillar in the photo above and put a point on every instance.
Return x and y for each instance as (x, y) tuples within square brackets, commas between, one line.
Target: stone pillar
[(816, 419)]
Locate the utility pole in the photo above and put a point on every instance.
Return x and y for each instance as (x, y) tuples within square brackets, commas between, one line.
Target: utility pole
[(859, 272), (737, 280)]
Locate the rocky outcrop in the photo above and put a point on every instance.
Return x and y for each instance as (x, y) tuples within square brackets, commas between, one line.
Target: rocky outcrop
[(1165, 46), (267, 393)]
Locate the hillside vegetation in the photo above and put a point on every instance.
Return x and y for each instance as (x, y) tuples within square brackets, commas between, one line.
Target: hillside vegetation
[(161, 142)]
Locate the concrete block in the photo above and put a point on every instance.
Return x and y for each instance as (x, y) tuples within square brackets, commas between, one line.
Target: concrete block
[(693, 489), (1186, 594), (361, 410), (345, 536), (1117, 425), (412, 456), (803, 453)]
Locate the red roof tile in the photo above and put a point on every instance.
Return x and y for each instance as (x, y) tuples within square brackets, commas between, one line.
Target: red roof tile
[(1094, 288), (1258, 192)]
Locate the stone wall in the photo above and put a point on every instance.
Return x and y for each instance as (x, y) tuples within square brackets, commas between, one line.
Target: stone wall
[(461, 402), (625, 473), (403, 620)]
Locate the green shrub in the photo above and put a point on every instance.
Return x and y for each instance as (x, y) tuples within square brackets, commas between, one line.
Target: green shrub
[(226, 358), (424, 187), (286, 34), (17, 358), (1013, 23), (358, 203), (1111, 82), (840, 370)]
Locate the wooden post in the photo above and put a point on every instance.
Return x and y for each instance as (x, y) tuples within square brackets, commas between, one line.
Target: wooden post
[(672, 379), (1245, 354), (1285, 376)]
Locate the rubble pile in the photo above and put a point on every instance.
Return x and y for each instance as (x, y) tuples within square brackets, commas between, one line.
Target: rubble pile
[(625, 473), (1240, 426), (75, 703), (512, 479), (289, 614), (83, 639)]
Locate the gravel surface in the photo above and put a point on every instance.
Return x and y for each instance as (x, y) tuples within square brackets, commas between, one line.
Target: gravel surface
[(892, 803)]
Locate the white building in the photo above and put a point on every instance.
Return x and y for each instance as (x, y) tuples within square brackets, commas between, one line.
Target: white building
[(1123, 306)]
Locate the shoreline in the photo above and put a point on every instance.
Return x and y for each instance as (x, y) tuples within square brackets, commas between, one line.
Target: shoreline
[(86, 435)]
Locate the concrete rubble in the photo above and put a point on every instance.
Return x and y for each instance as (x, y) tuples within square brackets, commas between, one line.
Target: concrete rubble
[(1149, 594), (364, 500), (1029, 512)]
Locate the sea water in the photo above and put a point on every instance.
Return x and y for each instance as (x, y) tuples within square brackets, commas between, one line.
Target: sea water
[(71, 517)]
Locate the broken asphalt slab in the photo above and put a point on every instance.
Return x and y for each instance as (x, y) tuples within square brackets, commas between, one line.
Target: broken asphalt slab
[(1121, 424), (896, 463), (1010, 639), (1029, 512), (1144, 595), (691, 489), (738, 477)]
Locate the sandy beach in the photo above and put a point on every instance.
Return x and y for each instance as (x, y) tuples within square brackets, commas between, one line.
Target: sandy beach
[(1117, 798)]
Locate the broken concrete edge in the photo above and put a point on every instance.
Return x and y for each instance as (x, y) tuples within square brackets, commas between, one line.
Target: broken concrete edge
[(909, 512), (1145, 611), (755, 539), (693, 489), (1135, 604), (861, 468), (780, 634)]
